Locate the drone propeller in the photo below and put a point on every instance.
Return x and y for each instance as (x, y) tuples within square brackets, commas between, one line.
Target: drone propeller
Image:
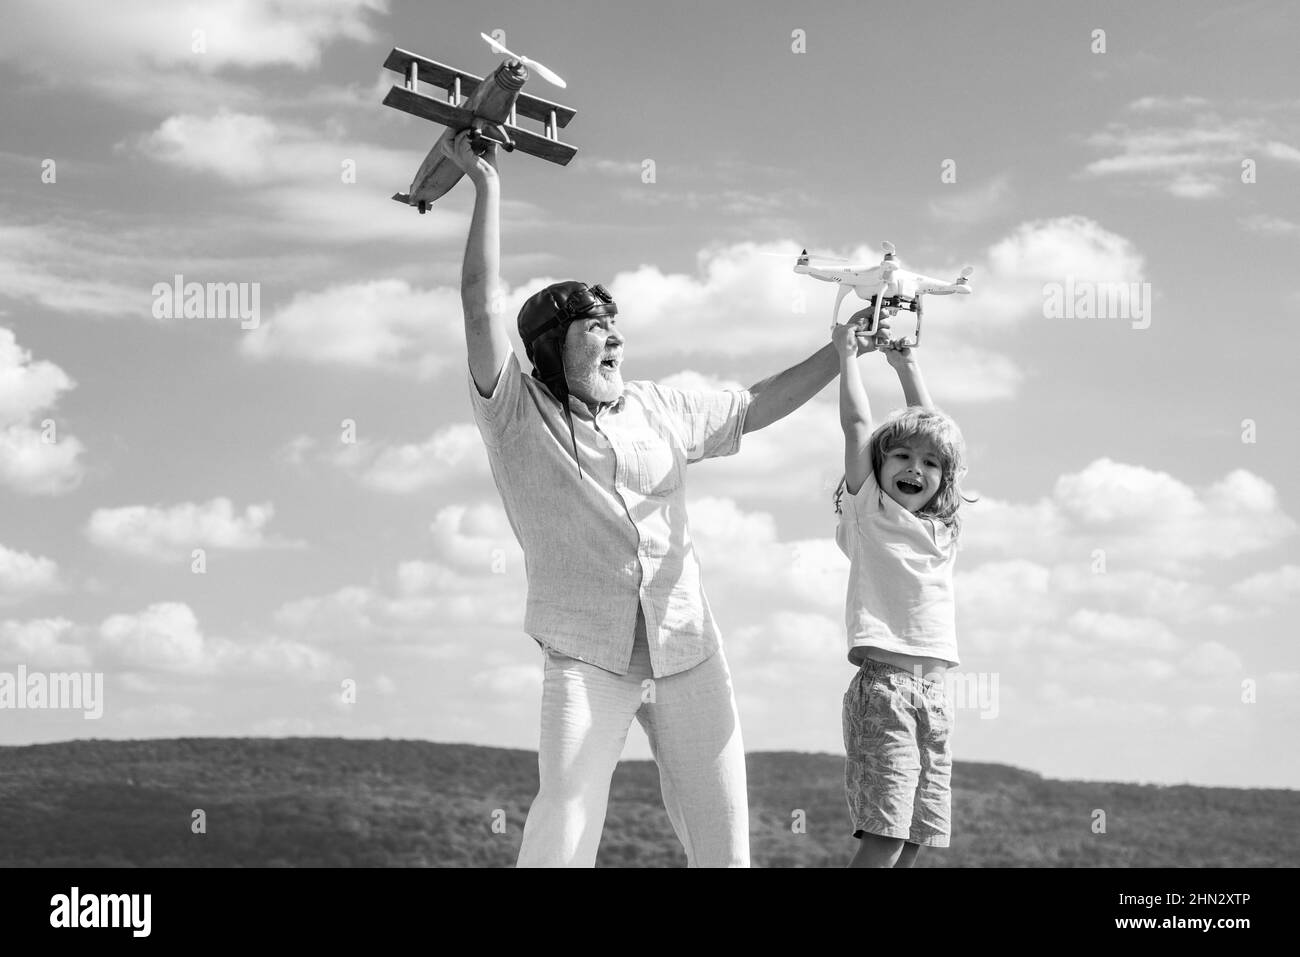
[(821, 259), (963, 279), (545, 72)]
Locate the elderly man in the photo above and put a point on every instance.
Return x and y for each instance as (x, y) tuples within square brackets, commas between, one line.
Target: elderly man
[(591, 473)]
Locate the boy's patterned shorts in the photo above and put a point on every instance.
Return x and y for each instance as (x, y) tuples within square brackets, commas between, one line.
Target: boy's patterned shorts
[(898, 771)]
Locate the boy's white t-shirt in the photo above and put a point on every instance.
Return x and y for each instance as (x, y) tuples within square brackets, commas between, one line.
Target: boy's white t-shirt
[(900, 595)]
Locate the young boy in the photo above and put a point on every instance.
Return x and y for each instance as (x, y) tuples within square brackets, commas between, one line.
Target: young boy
[(898, 507)]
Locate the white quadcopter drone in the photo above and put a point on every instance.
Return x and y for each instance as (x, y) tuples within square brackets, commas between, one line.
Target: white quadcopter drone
[(886, 287)]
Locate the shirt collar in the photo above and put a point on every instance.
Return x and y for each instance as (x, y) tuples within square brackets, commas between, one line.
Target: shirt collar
[(580, 407)]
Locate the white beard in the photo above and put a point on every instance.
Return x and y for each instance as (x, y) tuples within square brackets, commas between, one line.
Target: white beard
[(594, 383)]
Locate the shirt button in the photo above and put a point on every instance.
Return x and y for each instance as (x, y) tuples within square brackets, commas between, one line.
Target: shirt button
[(631, 567)]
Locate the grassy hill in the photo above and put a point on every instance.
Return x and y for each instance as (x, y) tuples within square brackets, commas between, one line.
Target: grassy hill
[(338, 802)]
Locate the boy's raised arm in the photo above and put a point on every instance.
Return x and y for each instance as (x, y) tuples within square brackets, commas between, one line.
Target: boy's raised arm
[(909, 376), (486, 338), (855, 410)]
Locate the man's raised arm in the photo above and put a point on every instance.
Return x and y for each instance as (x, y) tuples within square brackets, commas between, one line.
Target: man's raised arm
[(485, 331), (779, 395)]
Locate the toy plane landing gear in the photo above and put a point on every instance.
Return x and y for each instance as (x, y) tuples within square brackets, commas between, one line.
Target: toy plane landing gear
[(488, 108), (421, 204), (887, 287)]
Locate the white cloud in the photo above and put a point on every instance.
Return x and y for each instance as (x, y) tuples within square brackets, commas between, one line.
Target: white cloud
[(745, 301), (1051, 250), (1212, 659), (741, 550), (1190, 186), (1157, 103), (1122, 632), (801, 455), (475, 539), (51, 643), (1136, 517), (274, 656), (1270, 588), (35, 458), (737, 305), (956, 372), (291, 178), (166, 637), (33, 466), (74, 270), (1282, 151), (165, 533), (234, 146), (806, 634), (1283, 684), (1271, 225), (26, 386), (294, 452), (1142, 592), (689, 380), (384, 324), (616, 169), (1194, 154), (452, 451), (1005, 593), (333, 213), (146, 52), (23, 574), (431, 609)]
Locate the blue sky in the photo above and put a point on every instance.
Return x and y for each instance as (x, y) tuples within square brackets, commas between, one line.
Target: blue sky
[(1169, 450)]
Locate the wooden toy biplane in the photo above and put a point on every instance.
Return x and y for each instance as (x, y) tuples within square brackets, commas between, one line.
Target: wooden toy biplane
[(489, 108)]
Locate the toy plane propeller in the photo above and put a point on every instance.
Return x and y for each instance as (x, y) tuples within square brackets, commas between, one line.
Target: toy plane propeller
[(886, 286), (542, 70), (488, 108)]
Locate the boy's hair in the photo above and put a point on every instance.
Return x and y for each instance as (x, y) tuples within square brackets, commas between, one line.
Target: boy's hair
[(933, 426)]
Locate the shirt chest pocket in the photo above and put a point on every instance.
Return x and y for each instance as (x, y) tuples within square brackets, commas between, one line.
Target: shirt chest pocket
[(651, 464)]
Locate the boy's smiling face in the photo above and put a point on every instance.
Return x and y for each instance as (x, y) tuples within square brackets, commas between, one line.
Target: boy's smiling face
[(911, 473)]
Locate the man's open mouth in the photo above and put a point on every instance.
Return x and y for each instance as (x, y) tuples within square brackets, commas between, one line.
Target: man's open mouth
[(907, 487), (610, 363)]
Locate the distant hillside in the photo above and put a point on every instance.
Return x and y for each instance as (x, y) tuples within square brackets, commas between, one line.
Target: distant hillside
[(337, 802)]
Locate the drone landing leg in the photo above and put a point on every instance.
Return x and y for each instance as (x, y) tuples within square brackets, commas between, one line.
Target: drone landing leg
[(839, 298)]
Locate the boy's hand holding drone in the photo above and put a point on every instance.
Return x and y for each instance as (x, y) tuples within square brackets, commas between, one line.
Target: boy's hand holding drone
[(850, 341), (899, 358)]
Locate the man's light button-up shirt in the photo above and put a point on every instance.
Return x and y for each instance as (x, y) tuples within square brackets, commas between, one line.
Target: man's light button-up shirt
[(597, 548)]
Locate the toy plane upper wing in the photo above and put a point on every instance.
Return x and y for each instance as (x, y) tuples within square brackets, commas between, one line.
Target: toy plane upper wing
[(460, 84)]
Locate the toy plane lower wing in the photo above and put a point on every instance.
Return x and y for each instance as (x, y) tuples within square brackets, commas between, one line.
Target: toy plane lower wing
[(426, 107), (540, 146)]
